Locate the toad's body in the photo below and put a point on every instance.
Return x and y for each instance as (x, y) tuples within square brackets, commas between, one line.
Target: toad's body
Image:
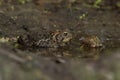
[(45, 40)]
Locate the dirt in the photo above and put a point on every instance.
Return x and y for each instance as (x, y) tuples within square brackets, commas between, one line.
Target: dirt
[(81, 19)]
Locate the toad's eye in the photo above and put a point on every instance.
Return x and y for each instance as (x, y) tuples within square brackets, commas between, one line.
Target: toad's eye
[(65, 33)]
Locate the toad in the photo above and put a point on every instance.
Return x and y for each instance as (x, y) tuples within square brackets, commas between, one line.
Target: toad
[(45, 40)]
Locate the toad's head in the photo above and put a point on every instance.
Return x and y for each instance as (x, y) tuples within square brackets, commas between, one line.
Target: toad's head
[(62, 37)]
